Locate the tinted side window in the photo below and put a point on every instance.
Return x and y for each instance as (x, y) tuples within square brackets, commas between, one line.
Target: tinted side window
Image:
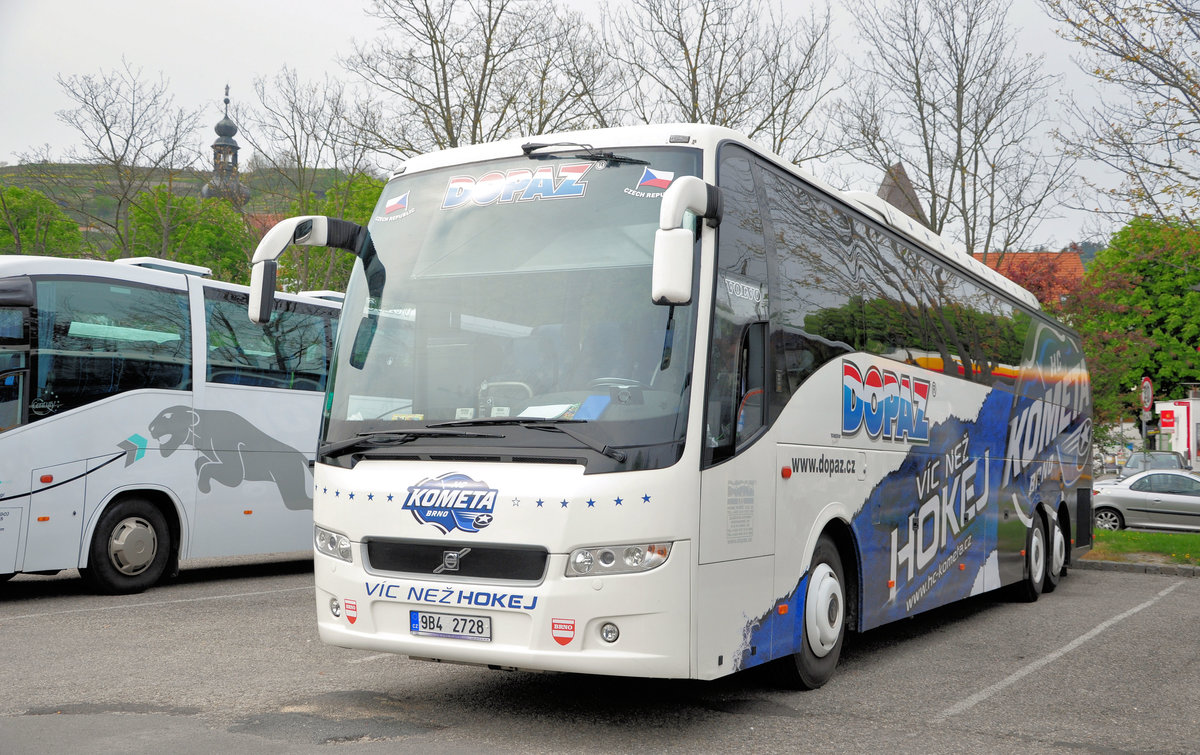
[(846, 285), (291, 351), (96, 338), (736, 360)]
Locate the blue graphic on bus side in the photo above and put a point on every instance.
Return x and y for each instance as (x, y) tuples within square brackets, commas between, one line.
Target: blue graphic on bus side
[(973, 493), (452, 501)]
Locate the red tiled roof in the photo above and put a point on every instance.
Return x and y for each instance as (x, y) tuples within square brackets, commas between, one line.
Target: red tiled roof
[(1048, 275)]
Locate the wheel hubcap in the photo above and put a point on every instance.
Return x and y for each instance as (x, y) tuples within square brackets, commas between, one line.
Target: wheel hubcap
[(1058, 556), (132, 546), (823, 611), (1037, 554)]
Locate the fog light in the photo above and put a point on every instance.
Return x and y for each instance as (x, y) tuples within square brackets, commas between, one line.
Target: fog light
[(609, 632), (335, 608)]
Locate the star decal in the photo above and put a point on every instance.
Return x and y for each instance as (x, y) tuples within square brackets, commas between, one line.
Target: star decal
[(646, 498), (617, 500), (540, 502), (564, 503), (591, 503)]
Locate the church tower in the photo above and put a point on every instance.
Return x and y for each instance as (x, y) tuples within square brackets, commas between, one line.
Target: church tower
[(225, 181)]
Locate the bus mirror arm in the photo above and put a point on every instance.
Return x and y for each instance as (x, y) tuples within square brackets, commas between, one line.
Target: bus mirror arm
[(306, 230), (671, 277)]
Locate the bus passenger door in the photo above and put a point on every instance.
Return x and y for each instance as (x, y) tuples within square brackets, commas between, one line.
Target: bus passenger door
[(55, 517)]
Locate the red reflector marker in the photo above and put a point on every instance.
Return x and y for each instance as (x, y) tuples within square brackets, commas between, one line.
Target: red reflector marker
[(47, 478), (786, 472), (783, 609), (43, 518), (248, 512)]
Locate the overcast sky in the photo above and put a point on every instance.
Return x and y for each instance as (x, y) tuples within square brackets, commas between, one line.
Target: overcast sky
[(202, 46)]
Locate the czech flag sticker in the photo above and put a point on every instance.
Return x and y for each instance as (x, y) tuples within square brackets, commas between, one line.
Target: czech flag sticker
[(658, 179), (396, 204)]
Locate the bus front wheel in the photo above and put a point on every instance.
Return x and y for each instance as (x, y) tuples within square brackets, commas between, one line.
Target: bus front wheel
[(130, 548), (824, 620)]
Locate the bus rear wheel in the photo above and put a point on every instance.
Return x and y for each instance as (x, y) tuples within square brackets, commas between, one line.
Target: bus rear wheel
[(1056, 556), (130, 548), (1030, 587), (824, 620)]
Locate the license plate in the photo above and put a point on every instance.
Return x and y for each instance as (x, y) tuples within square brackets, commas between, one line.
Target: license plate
[(454, 626)]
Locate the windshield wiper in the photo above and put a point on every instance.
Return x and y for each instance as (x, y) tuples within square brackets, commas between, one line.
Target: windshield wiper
[(381, 438), (551, 425), (589, 153)]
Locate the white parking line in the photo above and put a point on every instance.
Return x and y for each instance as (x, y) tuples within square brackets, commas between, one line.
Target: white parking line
[(124, 606), (375, 657), (984, 694)]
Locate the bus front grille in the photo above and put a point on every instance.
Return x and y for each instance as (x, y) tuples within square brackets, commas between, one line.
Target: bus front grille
[(450, 560)]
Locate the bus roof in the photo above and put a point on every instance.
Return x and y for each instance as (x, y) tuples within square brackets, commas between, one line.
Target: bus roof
[(709, 138), (167, 275)]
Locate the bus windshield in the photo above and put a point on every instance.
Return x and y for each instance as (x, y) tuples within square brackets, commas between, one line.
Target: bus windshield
[(516, 293)]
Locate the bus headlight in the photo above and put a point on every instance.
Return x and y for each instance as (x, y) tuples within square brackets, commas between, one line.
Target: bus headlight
[(332, 544), (616, 559)]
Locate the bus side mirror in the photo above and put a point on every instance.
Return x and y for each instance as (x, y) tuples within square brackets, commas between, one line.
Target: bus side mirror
[(671, 276), (310, 230), (262, 290), (306, 230)]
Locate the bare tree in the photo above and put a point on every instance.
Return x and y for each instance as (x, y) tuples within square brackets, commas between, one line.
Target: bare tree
[(1146, 128), (132, 139), (299, 130), (737, 63), (943, 91), (453, 72)]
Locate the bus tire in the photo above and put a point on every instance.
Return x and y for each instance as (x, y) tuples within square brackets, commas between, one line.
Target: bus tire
[(824, 620), (1030, 586), (130, 548), (1056, 556)]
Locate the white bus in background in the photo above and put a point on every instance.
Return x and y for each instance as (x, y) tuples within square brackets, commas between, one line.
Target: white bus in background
[(144, 419), (653, 402)]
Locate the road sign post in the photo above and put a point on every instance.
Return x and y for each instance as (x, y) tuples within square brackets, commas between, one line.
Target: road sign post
[(1147, 391)]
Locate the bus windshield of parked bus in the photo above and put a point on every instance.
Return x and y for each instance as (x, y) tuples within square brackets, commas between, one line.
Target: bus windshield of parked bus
[(516, 293)]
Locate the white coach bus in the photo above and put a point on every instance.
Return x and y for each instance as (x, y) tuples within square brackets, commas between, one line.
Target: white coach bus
[(650, 401), (144, 419)]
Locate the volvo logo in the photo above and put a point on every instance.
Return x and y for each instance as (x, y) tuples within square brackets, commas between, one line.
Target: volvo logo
[(451, 560)]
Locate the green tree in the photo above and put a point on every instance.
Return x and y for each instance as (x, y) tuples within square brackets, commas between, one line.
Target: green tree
[(307, 268), (1139, 315), (207, 232), (31, 223)]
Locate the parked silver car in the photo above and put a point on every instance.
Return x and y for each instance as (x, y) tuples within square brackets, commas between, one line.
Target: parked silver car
[(1157, 498), (1144, 460)]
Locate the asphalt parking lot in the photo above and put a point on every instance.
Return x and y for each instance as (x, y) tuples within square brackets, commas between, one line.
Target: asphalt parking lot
[(226, 659)]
